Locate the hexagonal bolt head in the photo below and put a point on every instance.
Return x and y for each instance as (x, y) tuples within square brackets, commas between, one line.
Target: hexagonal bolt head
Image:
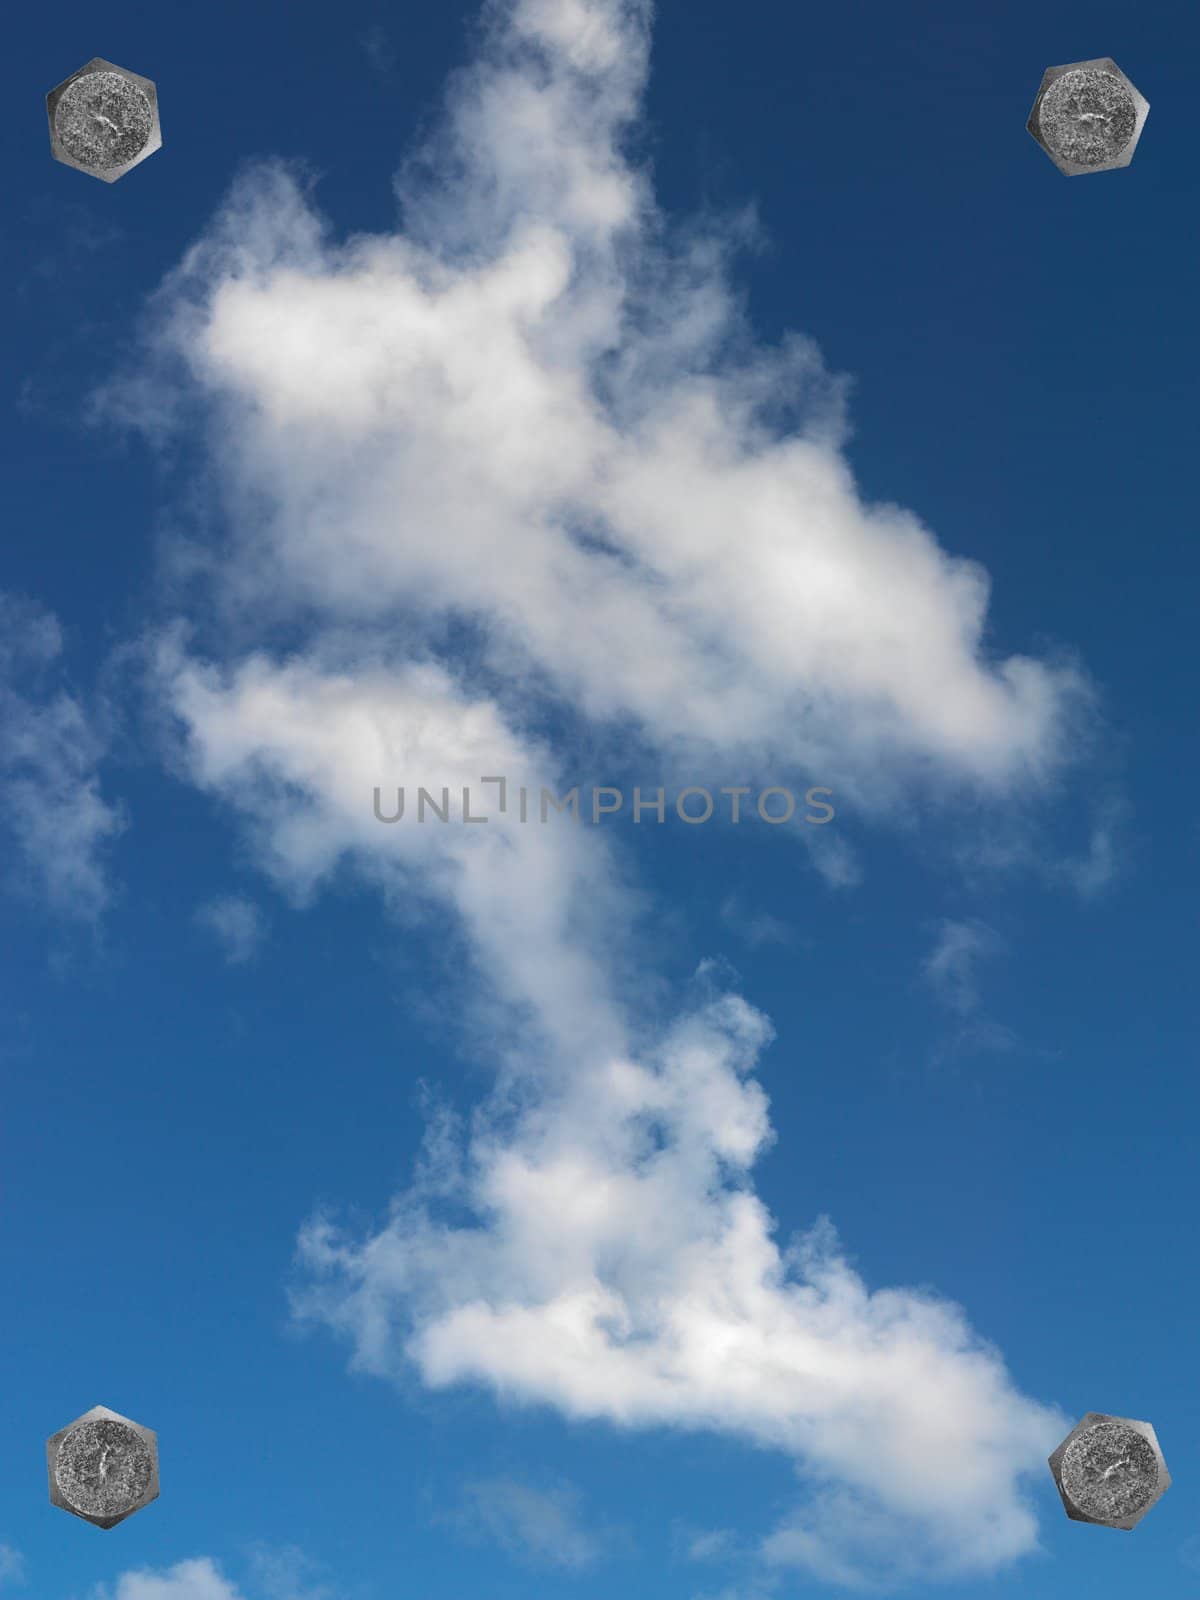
[(1110, 1471), (103, 120), (103, 1467), (1088, 117)]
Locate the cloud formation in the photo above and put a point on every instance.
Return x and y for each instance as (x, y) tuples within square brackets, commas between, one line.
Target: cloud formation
[(622, 1267), (539, 410), (951, 967), (541, 1526), (755, 928), (199, 1579), (276, 1574), (51, 805), (513, 476), (236, 923)]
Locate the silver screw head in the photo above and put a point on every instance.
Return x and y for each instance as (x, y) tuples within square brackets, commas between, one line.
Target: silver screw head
[(104, 120), (1088, 117), (103, 1467), (1110, 1471)]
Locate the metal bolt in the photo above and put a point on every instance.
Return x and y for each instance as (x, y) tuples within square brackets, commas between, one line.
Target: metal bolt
[(103, 1467), (103, 120), (1110, 1470), (1088, 117)]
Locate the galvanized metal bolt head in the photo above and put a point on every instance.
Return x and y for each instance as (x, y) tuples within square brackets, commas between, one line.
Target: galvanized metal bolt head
[(103, 120), (1110, 1470), (1088, 117), (103, 1467)]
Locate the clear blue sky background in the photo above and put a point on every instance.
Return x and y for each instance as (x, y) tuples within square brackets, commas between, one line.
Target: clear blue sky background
[(1024, 353)]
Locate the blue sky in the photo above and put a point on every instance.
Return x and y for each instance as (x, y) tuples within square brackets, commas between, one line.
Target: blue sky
[(704, 398)]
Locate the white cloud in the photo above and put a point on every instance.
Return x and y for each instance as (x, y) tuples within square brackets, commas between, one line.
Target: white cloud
[(1008, 844), (50, 748), (1092, 872), (951, 967), (761, 1587), (951, 970), (537, 413), (528, 411), (237, 924), (299, 748), (542, 1526), (711, 1544), (622, 1266), (276, 1575), (199, 1579), (286, 1574), (981, 1036)]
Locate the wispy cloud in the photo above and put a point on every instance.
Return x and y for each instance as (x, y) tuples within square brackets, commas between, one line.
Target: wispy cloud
[(59, 239), (952, 967), (756, 928), (237, 924), (952, 970), (287, 1574), (51, 803), (1093, 872), (707, 1544), (1006, 845), (761, 1587), (12, 1565), (378, 49), (544, 1527), (199, 1579)]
